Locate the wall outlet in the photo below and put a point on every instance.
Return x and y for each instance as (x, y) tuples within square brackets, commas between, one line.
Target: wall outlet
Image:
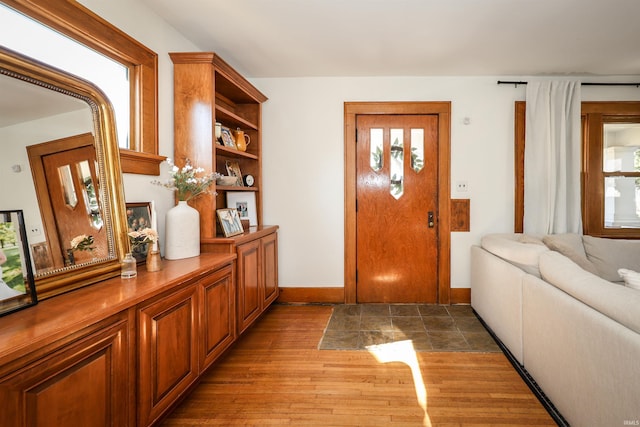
[(462, 186)]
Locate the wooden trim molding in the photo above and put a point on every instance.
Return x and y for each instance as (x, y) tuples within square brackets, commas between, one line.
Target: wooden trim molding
[(460, 295), (84, 26), (311, 295), (443, 110)]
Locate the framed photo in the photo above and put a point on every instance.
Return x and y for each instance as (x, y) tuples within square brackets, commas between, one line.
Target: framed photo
[(229, 222), (233, 169), (17, 284), (245, 203), (227, 139), (42, 259), (139, 217)]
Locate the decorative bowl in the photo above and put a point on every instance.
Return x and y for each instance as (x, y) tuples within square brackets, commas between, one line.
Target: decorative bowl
[(227, 180)]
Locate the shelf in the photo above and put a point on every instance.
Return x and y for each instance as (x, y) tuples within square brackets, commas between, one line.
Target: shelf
[(235, 188), (230, 152), (203, 79), (227, 117)]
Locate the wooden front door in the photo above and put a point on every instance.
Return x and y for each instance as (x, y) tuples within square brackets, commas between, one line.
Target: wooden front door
[(69, 196), (397, 208)]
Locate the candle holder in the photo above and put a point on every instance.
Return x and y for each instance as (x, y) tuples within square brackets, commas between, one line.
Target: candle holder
[(154, 262)]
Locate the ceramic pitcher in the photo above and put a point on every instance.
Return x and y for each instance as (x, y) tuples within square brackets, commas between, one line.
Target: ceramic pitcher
[(242, 139)]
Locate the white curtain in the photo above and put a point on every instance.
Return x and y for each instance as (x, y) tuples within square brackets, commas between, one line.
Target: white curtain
[(552, 158)]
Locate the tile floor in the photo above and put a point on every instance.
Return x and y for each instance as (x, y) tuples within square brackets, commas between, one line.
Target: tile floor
[(429, 327)]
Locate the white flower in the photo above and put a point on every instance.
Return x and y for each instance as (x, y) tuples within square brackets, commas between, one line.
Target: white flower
[(185, 181)]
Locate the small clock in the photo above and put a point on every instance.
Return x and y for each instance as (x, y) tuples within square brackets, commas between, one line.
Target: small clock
[(249, 180)]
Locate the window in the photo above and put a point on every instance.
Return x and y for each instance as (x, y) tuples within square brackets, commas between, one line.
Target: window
[(80, 24), (23, 34), (610, 168)]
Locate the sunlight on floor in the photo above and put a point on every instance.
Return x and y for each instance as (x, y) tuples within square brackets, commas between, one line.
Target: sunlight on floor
[(403, 351)]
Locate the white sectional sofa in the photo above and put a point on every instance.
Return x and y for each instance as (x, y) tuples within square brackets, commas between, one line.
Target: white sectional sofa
[(567, 319)]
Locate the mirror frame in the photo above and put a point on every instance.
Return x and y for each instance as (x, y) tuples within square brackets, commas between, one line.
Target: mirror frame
[(13, 64)]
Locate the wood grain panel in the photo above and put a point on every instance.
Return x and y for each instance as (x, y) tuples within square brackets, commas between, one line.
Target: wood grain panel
[(85, 383), (218, 317), (397, 252), (168, 352), (460, 215), (248, 299), (269, 269)]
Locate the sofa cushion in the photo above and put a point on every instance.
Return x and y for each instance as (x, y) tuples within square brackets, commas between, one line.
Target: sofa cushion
[(615, 301), (610, 255), (571, 246), (631, 278), (521, 250)]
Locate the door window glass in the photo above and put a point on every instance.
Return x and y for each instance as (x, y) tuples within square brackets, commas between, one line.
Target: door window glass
[(68, 189), (397, 163), (375, 144), (417, 149), (89, 194)]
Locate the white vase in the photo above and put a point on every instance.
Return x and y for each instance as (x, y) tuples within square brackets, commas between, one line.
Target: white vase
[(182, 232)]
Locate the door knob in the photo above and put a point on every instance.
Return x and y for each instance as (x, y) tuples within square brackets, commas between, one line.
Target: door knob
[(430, 219)]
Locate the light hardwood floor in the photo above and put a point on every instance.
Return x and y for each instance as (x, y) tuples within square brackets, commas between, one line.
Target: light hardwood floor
[(275, 375)]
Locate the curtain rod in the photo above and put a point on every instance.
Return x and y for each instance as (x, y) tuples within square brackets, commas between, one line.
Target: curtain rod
[(515, 83)]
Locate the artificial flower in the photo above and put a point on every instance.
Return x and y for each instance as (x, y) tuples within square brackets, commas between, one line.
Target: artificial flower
[(186, 182)]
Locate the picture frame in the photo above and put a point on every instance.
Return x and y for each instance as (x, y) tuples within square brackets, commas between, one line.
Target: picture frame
[(233, 169), (139, 216), (17, 282), (245, 203), (229, 221), (227, 139), (42, 258)]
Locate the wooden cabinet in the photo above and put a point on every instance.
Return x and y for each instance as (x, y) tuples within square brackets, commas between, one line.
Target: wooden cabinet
[(249, 306), (120, 352), (257, 270), (82, 379), (217, 315), (269, 244), (207, 90), (181, 334), (168, 352)]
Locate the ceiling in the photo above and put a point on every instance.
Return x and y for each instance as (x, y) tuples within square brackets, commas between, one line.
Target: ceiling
[(23, 102), (303, 38)]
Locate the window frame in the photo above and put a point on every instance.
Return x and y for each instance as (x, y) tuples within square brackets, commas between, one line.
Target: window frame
[(79, 23), (593, 115)]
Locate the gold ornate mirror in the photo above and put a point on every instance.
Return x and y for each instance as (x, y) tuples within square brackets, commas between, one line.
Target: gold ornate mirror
[(61, 166)]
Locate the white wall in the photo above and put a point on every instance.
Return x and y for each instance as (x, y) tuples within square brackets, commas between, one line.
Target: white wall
[(303, 149), (142, 24), (303, 164)]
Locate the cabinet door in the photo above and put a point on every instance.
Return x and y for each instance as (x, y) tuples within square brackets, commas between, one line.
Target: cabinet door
[(218, 329), (168, 352), (270, 269), (83, 382), (249, 282)]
